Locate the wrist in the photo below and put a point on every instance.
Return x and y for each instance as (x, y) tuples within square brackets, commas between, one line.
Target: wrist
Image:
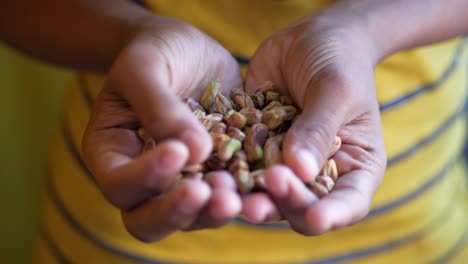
[(151, 28), (353, 33), (126, 30), (402, 24), (369, 20), (380, 26)]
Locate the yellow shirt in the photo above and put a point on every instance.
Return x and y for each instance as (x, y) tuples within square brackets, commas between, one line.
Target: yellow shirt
[(419, 214)]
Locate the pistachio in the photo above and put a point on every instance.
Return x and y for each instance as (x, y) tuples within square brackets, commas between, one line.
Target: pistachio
[(290, 111), (228, 148), (250, 138), (215, 163), (254, 141), (233, 105), (318, 189), (258, 99), (259, 179), (193, 175), (239, 155), (272, 151), (252, 114), (236, 133), (273, 118), (271, 105), (211, 120), (199, 113), (219, 140), (219, 128), (143, 135), (193, 168), (330, 169), (241, 99), (326, 181), (208, 98), (272, 96), (244, 181), (193, 105), (336, 146), (222, 104), (148, 141), (240, 171), (235, 119), (246, 129), (255, 153), (150, 144), (286, 100)]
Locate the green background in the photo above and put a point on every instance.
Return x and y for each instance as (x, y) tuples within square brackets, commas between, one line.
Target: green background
[(31, 95)]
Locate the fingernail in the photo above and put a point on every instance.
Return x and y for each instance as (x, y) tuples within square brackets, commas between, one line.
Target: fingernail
[(187, 137), (193, 198), (309, 163), (194, 139), (276, 182), (186, 205), (171, 154)]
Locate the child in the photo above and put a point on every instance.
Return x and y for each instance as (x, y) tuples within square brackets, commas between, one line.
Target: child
[(323, 55)]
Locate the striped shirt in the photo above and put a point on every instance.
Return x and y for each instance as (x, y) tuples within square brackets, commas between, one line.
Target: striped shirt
[(419, 214)]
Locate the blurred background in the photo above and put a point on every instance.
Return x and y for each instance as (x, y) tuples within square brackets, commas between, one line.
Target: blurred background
[(31, 95)]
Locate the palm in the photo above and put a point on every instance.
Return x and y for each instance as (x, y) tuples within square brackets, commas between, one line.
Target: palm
[(325, 74), (145, 87)]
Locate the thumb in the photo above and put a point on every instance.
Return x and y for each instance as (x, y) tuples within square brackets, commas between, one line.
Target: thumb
[(154, 83), (165, 116), (263, 73), (153, 95), (310, 139)]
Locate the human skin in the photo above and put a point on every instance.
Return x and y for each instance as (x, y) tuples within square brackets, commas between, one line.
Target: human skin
[(325, 62)]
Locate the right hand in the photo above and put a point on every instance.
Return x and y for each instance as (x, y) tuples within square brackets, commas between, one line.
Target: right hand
[(325, 62), (164, 60)]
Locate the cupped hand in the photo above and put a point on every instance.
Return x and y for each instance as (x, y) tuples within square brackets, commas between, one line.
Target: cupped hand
[(325, 63), (164, 61)]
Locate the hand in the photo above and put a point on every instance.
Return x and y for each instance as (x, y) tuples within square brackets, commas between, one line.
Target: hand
[(325, 63), (164, 60)]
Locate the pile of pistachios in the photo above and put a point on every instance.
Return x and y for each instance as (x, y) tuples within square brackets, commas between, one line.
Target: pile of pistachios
[(247, 133)]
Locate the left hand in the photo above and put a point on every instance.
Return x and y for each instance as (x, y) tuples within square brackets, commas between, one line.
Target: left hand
[(325, 63), (164, 61)]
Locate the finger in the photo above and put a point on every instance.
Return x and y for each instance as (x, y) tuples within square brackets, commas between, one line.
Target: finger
[(142, 178), (310, 139), (152, 93), (259, 208), (358, 154), (174, 211), (346, 204), (224, 205), (256, 207), (350, 199), (126, 178), (220, 180), (262, 71), (112, 152), (291, 196)]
